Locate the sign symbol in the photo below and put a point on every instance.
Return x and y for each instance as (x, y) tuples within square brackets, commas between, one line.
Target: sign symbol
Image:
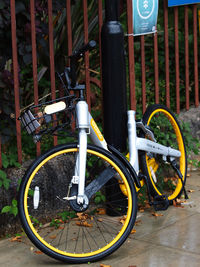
[(145, 4)]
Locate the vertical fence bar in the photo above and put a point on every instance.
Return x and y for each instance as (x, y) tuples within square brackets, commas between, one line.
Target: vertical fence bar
[(156, 72), (131, 57), (177, 59), (16, 79), (100, 21), (34, 60), (187, 96), (87, 74), (143, 70), (0, 155), (51, 54), (69, 27), (196, 79), (166, 53)]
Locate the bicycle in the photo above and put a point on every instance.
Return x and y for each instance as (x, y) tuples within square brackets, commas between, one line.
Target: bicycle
[(68, 203)]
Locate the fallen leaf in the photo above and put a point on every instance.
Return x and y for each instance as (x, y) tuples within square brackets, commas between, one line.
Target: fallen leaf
[(191, 190), (177, 204), (38, 252), (101, 211), (82, 216), (188, 175), (147, 206), (141, 210), (138, 222), (16, 239), (104, 265), (85, 224), (100, 220), (133, 231), (156, 214), (122, 219)]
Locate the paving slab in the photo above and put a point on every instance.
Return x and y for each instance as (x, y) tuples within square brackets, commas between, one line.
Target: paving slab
[(171, 239)]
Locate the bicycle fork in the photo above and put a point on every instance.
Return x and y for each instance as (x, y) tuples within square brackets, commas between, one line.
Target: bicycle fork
[(80, 167)]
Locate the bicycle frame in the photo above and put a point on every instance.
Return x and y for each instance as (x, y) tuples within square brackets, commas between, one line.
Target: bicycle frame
[(88, 127)]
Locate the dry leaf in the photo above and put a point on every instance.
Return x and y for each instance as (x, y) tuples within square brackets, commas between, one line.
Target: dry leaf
[(100, 220), (122, 219), (16, 239), (188, 175), (141, 210), (191, 190), (156, 214), (85, 224), (104, 265), (177, 204), (38, 252), (133, 231), (82, 216), (147, 206), (101, 211)]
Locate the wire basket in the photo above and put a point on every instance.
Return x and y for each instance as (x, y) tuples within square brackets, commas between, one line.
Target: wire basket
[(49, 117)]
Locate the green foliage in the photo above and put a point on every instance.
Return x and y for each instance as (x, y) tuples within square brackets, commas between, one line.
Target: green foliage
[(66, 215), (12, 209), (192, 144), (35, 221), (10, 160), (142, 196), (55, 223), (4, 181), (99, 198)]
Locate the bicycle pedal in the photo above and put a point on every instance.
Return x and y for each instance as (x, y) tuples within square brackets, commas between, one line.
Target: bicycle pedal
[(160, 202)]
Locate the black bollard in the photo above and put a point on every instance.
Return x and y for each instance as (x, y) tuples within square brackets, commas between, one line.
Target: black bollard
[(114, 77), (114, 96)]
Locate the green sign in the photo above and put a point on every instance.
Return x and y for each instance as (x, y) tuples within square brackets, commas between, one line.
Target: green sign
[(145, 13)]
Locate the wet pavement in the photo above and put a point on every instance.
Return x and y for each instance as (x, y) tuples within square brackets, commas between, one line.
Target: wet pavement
[(171, 239)]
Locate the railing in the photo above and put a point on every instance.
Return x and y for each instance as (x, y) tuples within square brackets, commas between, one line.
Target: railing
[(130, 41)]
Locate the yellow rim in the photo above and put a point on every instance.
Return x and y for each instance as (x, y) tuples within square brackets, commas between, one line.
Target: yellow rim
[(181, 149), (128, 211)]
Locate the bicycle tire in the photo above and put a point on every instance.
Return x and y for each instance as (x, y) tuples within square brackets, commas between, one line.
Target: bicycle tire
[(163, 180), (54, 227)]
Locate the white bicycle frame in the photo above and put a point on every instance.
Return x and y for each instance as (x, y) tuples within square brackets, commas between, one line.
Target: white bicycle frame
[(87, 127)]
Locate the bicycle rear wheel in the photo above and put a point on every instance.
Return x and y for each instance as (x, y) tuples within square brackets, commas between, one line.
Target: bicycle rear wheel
[(59, 227), (162, 178)]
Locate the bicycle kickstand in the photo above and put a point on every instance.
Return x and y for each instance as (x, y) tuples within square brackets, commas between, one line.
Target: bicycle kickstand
[(175, 167)]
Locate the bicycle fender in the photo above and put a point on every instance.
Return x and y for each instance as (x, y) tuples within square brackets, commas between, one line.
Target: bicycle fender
[(126, 163)]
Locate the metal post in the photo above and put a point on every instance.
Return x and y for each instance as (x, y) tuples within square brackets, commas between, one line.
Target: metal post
[(114, 77), (114, 95)]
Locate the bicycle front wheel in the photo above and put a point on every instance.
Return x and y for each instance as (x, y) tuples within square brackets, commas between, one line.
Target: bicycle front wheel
[(60, 227), (162, 178)]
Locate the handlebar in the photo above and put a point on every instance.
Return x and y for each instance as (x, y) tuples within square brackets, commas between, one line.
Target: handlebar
[(79, 53), (75, 57)]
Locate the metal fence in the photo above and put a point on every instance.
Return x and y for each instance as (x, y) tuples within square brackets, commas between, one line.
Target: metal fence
[(191, 87)]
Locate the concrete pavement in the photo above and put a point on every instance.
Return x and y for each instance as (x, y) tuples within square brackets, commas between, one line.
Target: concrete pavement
[(171, 239)]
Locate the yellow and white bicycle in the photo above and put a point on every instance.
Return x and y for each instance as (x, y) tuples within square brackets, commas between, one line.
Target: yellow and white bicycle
[(78, 201)]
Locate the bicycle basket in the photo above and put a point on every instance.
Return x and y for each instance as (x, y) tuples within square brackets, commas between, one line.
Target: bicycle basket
[(48, 117)]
